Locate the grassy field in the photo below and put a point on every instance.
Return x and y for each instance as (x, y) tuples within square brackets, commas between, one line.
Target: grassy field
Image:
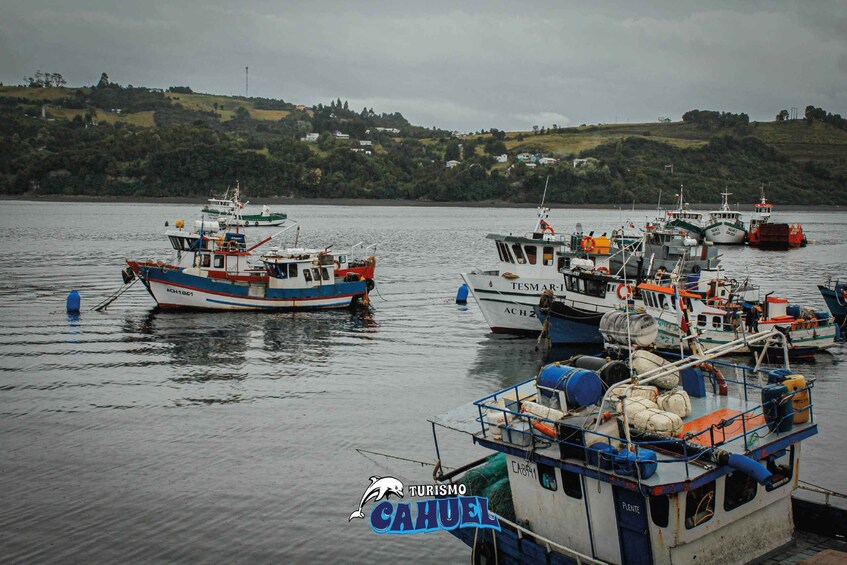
[(39, 93), (272, 115)]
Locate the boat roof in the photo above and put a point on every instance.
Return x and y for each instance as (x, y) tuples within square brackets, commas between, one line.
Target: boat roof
[(666, 290), (554, 240)]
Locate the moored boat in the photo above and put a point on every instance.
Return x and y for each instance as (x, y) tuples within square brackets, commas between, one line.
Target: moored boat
[(835, 295), (660, 468), (725, 226), (216, 271), (768, 235), (684, 218), (229, 211)]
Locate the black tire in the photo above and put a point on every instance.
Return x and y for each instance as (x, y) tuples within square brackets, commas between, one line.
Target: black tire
[(370, 284)]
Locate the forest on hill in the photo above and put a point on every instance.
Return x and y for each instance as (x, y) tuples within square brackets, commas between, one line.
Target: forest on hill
[(123, 141)]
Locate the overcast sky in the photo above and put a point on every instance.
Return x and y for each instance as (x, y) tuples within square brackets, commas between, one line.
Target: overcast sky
[(456, 65)]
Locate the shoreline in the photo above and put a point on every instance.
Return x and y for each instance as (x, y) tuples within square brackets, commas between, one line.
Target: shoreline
[(200, 201)]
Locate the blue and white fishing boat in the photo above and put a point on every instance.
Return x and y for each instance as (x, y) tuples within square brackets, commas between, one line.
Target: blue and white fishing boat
[(685, 219), (215, 271), (665, 466), (835, 295)]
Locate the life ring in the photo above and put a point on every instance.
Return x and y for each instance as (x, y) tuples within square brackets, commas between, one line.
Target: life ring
[(844, 294), (604, 270), (587, 244), (624, 291), (337, 264), (723, 390), (232, 246), (548, 229)]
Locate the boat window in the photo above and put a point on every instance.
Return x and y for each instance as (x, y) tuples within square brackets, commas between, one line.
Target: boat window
[(324, 273), (342, 259), (531, 253), (740, 489), (219, 261), (547, 476), (564, 263), (500, 252), (569, 283), (701, 320), (518, 253), (660, 509), (307, 274), (292, 270), (716, 322), (572, 484), (662, 302), (207, 259), (595, 288), (781, 465), (279, 271), (548, 255), (316, 274), (700, 505)]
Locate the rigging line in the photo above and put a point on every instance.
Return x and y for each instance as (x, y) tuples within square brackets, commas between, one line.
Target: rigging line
[(389, 456)]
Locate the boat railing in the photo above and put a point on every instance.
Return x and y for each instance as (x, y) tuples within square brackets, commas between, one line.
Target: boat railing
[(548, 544), (687, 448)]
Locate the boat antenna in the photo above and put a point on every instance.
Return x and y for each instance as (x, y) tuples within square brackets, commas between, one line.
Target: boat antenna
[(544, 196)]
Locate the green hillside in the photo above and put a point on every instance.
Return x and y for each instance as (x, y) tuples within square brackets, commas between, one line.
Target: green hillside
[(111, 140)]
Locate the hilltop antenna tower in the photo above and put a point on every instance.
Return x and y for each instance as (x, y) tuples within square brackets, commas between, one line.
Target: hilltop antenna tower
[(246, 82)]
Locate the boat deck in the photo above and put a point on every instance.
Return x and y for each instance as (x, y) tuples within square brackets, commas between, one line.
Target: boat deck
[(727, 422)]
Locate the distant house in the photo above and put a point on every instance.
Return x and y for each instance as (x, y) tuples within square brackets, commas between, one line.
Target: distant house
[(393, 131), (452, 164), (339, 135), (366, 143), (526, 158), (530, 165), (156, 90), (310, 138), (300, 107), (504, 158), (547, 161), (581, 162)]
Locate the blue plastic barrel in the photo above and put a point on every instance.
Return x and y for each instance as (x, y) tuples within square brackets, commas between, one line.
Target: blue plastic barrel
[(581, 386), (462, 294), (821, 314), (72, 304), (793, 311)]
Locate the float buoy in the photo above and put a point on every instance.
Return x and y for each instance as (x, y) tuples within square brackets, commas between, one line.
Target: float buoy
[(73, 302), (462, 294)]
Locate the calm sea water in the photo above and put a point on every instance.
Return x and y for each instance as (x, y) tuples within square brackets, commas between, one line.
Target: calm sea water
[(140, 435)]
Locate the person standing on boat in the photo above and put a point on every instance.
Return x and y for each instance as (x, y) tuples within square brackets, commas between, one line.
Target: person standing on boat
[(753, 319)]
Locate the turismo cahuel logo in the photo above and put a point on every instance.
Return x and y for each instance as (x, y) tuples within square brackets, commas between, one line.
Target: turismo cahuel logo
[(447, 508)]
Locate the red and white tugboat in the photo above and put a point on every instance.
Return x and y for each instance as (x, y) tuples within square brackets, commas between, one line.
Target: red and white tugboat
[(767, 235)]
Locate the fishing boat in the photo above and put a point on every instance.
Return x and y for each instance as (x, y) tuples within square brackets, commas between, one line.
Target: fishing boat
[(725, 226), (716, 320), (217, 271), (229, 210), (768, 235), (663, 465), (684, 218), (529, 264), (835, 295)]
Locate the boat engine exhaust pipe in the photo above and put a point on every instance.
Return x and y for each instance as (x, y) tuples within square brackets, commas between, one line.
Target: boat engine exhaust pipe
[(746, 465)]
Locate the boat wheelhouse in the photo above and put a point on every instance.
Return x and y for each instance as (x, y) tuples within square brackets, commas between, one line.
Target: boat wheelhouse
[(725, 226), (229, 211), (580, 475), (215, 271)]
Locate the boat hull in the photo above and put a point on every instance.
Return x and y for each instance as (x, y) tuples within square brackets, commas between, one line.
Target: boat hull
[(570, 326), (777, 236), (173, 288), (725, 234), (835, 301), (246, 220), (508, 305)]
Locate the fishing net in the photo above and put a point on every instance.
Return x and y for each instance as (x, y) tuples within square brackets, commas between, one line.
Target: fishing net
[(480, 479), (500, 499)]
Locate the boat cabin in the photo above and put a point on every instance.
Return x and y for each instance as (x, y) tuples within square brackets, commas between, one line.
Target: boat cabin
[(299, 268), (534, 256)]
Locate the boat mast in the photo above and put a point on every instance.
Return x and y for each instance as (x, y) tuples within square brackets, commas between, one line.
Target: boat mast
[(542, 211)]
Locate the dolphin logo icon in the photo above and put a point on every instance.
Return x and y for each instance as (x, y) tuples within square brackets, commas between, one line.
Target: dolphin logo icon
[(379, 488)]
